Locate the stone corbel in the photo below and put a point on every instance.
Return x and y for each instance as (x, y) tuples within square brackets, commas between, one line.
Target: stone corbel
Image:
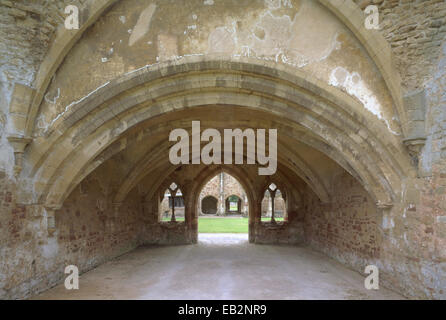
[(384, 210), (51, 220), (384, 206), (415, 145), (415, 103), (19, 107), (19, 144)]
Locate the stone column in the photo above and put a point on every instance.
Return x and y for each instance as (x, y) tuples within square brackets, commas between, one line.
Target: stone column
[(222, 194), (273, 195), (172, 219), (270, 205), (114, 220)]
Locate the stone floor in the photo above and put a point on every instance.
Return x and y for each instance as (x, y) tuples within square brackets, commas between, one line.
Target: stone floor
[(221, 266)]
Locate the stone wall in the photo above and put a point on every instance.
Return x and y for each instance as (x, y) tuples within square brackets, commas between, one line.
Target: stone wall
[(27, 30), (407, 244), (280, 233), (415, 31), (230, 187), (166, 233), (426, 218), (89, 231), (434, 151), (347, 228)]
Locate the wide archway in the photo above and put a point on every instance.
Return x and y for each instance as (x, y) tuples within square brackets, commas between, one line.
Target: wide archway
[(322, 134), (324, 138), (135, 121), (233, 204), (315, 120)]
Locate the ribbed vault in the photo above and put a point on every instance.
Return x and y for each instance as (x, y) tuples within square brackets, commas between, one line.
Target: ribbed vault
[(303, 110)]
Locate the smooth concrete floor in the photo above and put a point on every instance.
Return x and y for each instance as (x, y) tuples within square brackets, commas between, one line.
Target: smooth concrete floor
[(221, 266)]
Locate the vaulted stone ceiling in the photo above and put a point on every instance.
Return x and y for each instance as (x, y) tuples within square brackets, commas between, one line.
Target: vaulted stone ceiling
[(92, 109)]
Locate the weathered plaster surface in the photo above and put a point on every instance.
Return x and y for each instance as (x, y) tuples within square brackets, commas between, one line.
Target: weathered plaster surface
[(302, 35)]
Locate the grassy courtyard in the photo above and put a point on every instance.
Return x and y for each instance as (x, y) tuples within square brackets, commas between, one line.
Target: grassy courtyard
[(224, 225)]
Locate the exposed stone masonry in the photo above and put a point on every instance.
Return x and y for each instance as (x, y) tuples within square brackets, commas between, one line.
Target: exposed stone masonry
[(96, 165), (415, 30)]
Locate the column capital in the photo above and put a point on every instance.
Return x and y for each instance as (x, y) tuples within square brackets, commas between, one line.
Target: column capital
[(384, 206)]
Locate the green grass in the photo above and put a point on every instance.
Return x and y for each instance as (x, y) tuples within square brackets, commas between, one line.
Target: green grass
[(223, 225)]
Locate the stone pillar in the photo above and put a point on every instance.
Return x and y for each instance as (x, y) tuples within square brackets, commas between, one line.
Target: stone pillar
[(255, 216), (150, 211), (222, 194), (270, 205), (113, 221), (273, 196), (191, 217)]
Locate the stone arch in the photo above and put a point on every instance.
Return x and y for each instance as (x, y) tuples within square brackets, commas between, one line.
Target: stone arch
[(237, 172), (239, 203), (377, 47), (345, 10), (210, 172), (322, 110), (145, 165), (209, 205)]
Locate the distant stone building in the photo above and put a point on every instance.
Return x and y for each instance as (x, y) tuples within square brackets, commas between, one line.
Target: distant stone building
[(223, 195)]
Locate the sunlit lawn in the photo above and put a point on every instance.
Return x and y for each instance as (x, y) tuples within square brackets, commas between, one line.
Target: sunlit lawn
[(223, 225)]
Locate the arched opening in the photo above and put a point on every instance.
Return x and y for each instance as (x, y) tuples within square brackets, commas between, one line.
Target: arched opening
[(209, 205), (326, 121), (228, 201), (233, 205), (309, 158), (172, 204), (273, 205)]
